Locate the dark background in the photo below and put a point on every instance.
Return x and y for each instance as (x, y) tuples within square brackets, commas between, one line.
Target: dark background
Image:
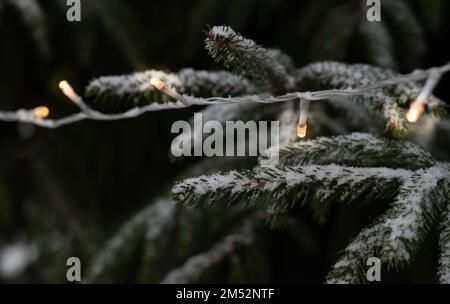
[(88, 178)]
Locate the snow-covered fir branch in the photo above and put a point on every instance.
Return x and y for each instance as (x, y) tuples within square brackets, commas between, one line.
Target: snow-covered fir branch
[(135, 90), (247, 58), (418, 194), (396, 235), (444, 243), (356, 149), (383, 91), (287, 186)]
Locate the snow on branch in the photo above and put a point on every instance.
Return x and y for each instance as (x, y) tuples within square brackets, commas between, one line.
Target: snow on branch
[(356, 149), (396, 235), (285, 187), (137, 90), (384, 91), (247, 58), (444, 244)]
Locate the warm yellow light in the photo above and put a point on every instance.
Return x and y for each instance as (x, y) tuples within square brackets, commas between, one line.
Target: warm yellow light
[(65, 86), (67, 89), (414, 112), (301, 131), (41, 112), (157, 83)]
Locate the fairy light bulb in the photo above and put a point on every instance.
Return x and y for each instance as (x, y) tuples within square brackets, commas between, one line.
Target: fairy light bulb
[(41, 112), (157, 83), (67, 89), (301, 131), (415, 110), (418, 106), (161, 86), (302, 127)]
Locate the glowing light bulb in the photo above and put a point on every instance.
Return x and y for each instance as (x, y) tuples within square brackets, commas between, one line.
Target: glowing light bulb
[(418, 106), (301, 131), (414, 112), (65, 86), (67, 89), (302, 126), (161, 85), (157, 83), (41, 112)]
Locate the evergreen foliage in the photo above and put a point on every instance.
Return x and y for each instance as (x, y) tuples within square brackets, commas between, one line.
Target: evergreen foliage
[(212, 226)]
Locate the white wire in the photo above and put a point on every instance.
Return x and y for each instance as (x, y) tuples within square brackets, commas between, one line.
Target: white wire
[(87, 113)]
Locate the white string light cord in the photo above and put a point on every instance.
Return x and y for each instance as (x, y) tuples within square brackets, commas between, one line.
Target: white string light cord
[(39, 116)]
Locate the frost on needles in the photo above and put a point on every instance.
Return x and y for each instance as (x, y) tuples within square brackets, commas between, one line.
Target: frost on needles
[(134, 90), (259, 75), (232, 205), (333, 170), (357, 168)]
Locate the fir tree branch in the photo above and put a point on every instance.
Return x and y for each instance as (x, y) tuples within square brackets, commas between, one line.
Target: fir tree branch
[(444, 244), (247, 58), (387, 101), (136, 90), (396, 235), (356, 149), (283, 188)]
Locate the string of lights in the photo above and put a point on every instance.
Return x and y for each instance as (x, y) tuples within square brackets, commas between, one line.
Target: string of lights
[(39, 116)]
